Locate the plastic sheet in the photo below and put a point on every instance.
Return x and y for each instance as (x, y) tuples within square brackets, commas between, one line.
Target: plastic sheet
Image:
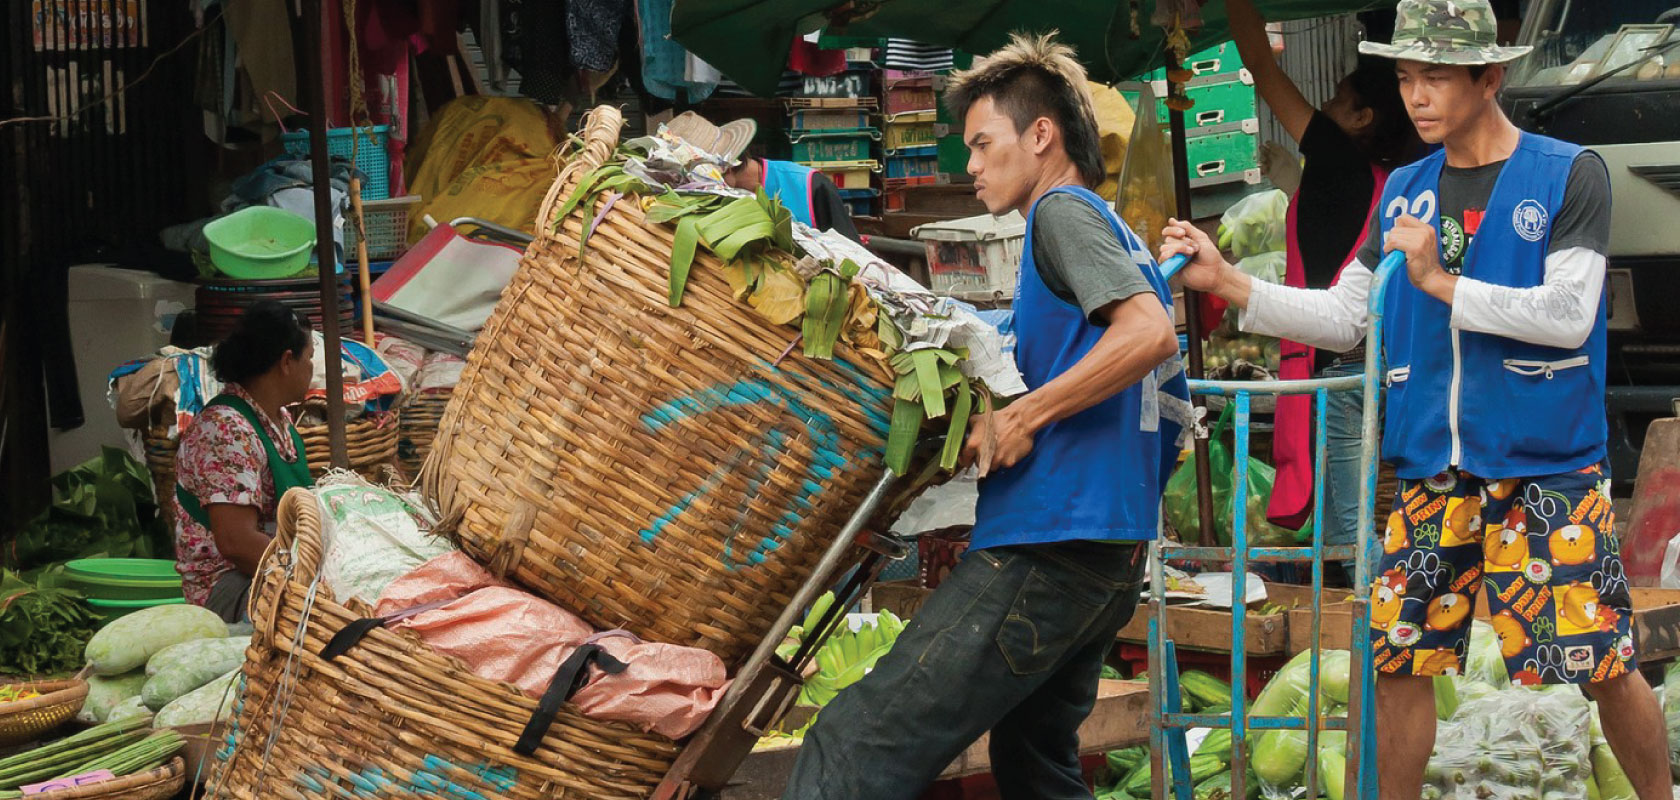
[(371, 535), (504, 634), (1514, 744)]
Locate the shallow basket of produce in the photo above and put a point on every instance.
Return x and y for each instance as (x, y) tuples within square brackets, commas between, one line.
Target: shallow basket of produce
[(638, 447), (125, 759), (32, 709), (390, 716), (155, 784)]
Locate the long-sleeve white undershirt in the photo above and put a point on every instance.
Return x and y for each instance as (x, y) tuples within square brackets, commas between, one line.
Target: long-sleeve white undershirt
[(1558, 313)]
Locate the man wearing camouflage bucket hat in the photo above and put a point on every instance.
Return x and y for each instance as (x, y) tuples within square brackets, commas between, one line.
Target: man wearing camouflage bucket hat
[(1496, 423)]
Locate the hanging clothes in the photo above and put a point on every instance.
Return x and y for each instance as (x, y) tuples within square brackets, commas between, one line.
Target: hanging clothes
[(806, 58), (592, 29), (668, 69)]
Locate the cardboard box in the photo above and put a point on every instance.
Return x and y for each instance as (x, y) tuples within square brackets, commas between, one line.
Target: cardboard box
[(1209, 629)]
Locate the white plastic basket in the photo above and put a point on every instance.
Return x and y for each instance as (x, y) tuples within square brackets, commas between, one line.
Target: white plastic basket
[(975, 258)]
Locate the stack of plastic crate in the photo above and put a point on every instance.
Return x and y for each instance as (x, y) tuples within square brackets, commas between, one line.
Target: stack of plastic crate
[(830, 127), (1221, 129), (912, 132)]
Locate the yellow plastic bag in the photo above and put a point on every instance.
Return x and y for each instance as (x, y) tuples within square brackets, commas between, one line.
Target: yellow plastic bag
[(1146, 180)]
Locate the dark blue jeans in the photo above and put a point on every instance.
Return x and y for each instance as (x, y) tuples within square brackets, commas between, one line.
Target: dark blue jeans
[(1012, 642)]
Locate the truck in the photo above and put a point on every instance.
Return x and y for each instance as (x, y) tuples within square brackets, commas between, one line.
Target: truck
[(1606, 75)]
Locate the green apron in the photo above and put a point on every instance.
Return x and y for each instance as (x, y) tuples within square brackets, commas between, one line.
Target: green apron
[(287, 475)]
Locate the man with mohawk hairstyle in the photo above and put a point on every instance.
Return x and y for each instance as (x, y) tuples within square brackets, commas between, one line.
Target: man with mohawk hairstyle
[(1013, 640)]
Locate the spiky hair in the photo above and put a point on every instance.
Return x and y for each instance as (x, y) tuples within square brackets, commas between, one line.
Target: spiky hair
[(1035, 76)]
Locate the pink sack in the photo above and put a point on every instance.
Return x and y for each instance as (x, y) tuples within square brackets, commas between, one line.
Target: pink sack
[(505, 634)]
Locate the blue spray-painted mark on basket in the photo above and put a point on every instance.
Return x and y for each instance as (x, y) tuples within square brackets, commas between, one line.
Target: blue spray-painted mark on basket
[(826, 460), (429, 779)]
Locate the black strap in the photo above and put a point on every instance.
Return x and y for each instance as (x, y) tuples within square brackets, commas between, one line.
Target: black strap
[(572, 675), (353, 633), (349, 635)]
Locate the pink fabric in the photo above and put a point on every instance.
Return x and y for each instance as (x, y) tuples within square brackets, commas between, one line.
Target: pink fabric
[(221, 460), (1292, 450), (504, 634)]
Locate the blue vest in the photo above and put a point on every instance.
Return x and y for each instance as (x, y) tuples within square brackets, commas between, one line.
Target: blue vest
[(1099, 473), (791, 183), (1491, 406)]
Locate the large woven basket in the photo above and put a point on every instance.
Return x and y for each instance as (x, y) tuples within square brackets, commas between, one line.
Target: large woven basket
[(371, 443), (661, 469), (391, 713)]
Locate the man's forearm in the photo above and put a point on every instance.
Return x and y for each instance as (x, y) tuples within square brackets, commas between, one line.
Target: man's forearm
[(1139, 337)]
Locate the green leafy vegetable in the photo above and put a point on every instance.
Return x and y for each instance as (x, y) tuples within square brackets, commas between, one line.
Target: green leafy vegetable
[(43, 629)]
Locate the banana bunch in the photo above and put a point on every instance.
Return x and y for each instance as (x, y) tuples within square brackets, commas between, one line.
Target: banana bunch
[(848, 656)]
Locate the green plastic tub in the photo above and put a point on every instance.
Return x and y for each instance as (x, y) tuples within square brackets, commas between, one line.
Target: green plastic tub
[(108, 610), (260, 243), (124, 578)]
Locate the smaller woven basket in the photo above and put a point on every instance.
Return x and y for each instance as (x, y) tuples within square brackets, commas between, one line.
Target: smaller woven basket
[(157, 784), (27, 720), (391, 717), (371, 443), (419, 427)]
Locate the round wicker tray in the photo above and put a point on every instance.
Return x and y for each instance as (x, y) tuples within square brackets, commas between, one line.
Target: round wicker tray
[(26, 720)]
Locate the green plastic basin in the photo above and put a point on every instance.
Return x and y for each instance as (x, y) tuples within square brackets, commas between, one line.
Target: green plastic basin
[(260, 243), (108, 610), (124, 578)]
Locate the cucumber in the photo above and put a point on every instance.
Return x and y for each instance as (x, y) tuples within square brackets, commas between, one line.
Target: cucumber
[(132, 708), (105, 692), (212, 702), (131, 640), (181, 668)]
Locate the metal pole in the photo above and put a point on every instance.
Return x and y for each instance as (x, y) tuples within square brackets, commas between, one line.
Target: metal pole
[(1193, 320), (317, 28)]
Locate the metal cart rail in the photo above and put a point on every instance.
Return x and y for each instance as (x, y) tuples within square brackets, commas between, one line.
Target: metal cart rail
[(1167, 734)]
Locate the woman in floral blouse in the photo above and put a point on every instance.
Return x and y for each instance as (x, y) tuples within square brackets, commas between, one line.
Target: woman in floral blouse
[(239, 456)]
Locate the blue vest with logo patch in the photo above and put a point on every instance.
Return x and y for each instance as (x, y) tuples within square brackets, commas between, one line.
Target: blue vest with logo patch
[(1099, 473), (1492, 406), (792, 184)]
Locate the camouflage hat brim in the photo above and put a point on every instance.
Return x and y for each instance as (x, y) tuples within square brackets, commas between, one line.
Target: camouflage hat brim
[(1445, 52)]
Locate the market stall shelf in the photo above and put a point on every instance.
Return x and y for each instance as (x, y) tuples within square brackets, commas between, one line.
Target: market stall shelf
[(390, 712), (660, 468)]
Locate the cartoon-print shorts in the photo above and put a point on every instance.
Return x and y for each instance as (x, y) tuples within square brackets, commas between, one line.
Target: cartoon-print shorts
[(1540, 548)]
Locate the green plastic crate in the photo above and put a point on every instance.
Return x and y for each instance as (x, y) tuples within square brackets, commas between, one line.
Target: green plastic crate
[(1219, 100), (850, 145), (1220, 59), (1229, 151)]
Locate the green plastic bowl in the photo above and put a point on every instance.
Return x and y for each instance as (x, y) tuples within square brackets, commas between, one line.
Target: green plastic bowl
[(124, 578), (108, 610), (260, 243)]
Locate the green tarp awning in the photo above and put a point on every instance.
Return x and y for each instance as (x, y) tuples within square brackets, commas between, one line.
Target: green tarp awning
[(748, 40)]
